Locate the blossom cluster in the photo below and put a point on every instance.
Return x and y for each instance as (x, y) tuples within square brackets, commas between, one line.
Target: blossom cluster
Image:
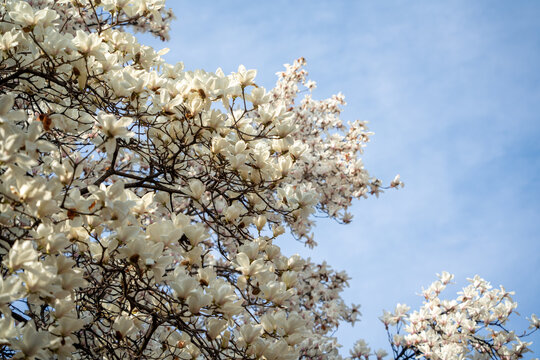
[(472, 326)]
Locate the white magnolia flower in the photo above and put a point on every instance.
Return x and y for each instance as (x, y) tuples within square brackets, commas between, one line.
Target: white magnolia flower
[(196, 188), (113, 127), (32, 342), (124, 326), (25, 15), (88, 44), (245, 77), (21, 253), (10, 289)]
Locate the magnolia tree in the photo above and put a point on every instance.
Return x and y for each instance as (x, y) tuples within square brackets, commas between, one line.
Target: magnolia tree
[(140, 203)]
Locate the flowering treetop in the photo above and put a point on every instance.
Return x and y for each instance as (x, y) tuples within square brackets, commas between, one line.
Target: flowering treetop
[(140, 202)]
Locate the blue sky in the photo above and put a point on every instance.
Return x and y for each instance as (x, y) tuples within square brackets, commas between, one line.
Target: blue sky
[(452, 92)]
